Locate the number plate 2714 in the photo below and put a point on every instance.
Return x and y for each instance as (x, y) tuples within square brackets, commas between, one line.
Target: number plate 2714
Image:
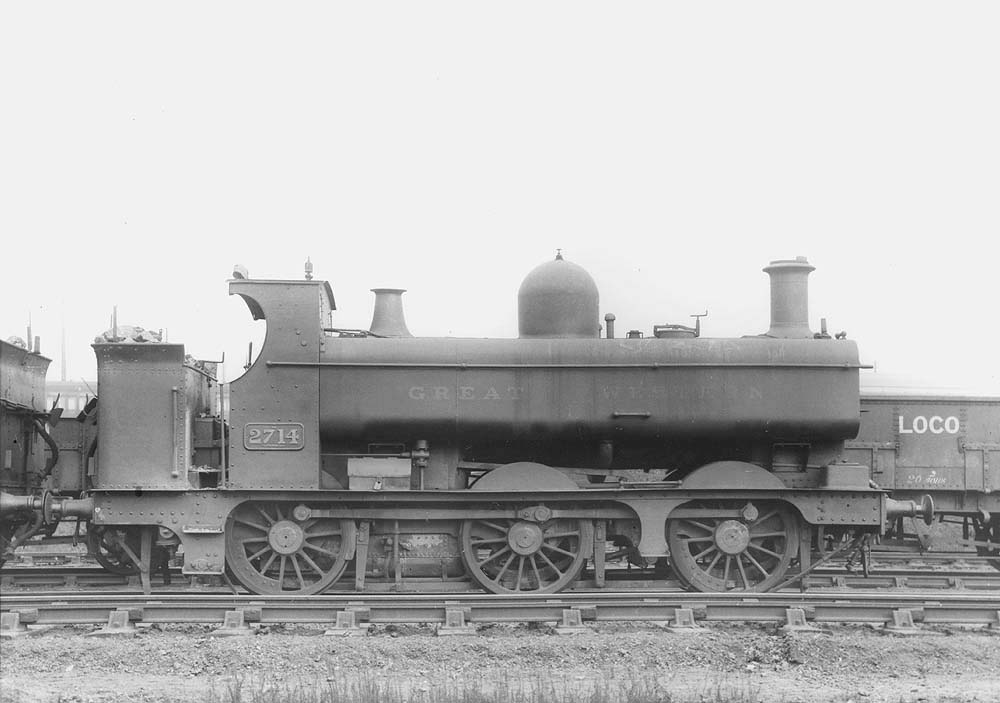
[(273, 436)]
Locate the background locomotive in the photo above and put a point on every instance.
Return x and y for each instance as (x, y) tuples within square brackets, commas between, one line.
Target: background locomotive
[(47, 464), (22, 417), (510, 461)]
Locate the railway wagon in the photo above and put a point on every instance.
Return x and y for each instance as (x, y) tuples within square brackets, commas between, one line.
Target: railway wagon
[(943, 445), (405, 461)]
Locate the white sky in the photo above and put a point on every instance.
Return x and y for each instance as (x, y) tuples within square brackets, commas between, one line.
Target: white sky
[(448, 148)]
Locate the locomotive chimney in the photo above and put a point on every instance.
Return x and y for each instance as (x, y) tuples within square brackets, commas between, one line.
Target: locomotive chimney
[(789, 298), (388, 320)]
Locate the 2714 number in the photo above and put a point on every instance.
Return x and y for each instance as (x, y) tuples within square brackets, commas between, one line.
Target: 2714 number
[(273, 435)]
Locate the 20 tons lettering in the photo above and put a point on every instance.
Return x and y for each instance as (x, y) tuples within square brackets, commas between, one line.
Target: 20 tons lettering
[(934, 424)]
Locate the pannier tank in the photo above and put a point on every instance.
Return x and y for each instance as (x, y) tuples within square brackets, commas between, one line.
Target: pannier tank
[(559, 392)]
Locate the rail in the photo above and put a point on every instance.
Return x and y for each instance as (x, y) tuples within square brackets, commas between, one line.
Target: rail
[(466, 610), (67, 577)]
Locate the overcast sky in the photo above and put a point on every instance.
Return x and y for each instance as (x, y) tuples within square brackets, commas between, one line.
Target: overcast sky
[(672, 150)]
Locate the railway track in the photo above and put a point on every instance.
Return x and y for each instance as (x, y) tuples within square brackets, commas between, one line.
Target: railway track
[(459, 613)]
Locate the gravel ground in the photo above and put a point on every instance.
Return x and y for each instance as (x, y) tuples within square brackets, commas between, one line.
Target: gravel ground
[(722, 663)]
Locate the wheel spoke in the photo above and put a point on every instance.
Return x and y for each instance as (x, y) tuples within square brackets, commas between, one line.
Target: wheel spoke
[(559, 550), (267, 564), (311, 563), (549, 562), (762, 520), (763, 549), (319, 532), (534, 567), (688, 540), (554, 535), (743, 573), (705, 552), (503, 568), (298, 572), (263, 514), (319, 549), (253, 556), (328, 533), (756, 563), (712, 564), (494, 555), (281, 572), (520, 573), (707, 528), (255, 525), (758, 535), (478, 542), (493, 526)]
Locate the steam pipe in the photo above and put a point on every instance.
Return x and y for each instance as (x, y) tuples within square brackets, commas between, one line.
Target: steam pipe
[(53, 449)]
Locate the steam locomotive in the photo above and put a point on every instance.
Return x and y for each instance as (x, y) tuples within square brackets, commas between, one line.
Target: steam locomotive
[(22, 424), (405, 461)]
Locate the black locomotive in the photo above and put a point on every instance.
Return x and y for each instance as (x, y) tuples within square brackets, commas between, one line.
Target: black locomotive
[(513, 462)]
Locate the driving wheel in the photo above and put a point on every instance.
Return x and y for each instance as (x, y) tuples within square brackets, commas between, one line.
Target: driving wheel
[(280, 548), (522, 556), (745, 547)]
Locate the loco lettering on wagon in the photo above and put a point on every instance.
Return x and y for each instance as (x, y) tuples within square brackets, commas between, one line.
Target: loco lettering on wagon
[(921, 424)]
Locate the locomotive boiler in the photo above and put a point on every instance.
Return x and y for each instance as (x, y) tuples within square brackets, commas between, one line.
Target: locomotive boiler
[(515, 463)]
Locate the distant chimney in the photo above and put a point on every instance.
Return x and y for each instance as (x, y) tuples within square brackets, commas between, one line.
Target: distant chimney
[(388, 320), (790, 298), (63, 352)]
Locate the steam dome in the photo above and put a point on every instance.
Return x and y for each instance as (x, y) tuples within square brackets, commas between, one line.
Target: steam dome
[(558, 299)]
